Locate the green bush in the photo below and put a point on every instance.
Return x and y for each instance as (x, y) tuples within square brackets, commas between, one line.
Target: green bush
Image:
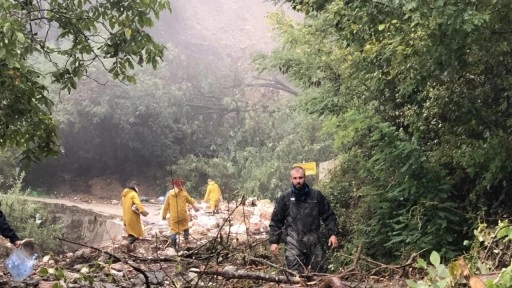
[(27, 218)]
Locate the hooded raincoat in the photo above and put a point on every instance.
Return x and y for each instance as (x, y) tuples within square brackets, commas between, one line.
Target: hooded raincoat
[(175, 204), (131, 219), (213, 195)]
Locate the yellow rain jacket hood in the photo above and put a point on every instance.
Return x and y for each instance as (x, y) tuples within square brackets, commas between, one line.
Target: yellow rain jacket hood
[(131, 219), (175, 204), (213, 194)]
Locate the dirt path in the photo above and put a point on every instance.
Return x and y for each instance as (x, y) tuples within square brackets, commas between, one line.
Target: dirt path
[(105, 208)]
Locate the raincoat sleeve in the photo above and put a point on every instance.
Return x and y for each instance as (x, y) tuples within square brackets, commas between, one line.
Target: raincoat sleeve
[(327, 215), (277, 221), (6, 230), (190, 200), (136, 201), (207, 195), (165, 209)]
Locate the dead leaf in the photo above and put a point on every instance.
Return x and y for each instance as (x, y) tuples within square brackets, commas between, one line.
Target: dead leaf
[(475, 282), (464, 270)]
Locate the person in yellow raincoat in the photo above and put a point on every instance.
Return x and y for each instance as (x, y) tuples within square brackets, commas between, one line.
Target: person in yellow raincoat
[(213, 195), (175, 204), (132, 209)]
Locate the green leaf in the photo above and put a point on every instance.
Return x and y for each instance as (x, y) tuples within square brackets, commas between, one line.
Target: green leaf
[(43, 271), (435, 259), (443, 283), (421, 263), (442, 271), (20, 36), (411, 283)]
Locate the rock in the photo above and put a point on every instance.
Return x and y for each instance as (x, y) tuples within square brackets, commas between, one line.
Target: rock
[(137, 282), (238, 229), (155, 277), (168, 252), (76, 267), (119, 266), (86, 253), (46, 259), (84, 270), (117, 273), (70, 276)]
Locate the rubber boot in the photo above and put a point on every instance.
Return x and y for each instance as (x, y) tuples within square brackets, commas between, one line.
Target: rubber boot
[(174, 242)]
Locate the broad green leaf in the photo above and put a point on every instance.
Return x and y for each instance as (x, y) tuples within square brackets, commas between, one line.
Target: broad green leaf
[(443, 283), (435, 259), (442, 272)]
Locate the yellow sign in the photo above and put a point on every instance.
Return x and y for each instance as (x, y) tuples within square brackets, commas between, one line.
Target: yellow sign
[(309, 167)]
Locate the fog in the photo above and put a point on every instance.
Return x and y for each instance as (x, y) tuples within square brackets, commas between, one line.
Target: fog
[(229, 30), (191, 105)]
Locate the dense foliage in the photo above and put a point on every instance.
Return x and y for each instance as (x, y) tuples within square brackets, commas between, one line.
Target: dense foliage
[(59, 41), (418, 94)]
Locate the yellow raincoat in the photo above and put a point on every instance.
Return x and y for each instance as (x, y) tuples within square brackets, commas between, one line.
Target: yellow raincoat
[(175, 204), (213, 195), (131, 219)]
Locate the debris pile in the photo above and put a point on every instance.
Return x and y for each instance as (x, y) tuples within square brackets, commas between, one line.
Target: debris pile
[(111, 266)]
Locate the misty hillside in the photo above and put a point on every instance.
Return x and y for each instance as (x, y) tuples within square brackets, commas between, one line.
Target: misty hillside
[(198, 103), (228, 30)]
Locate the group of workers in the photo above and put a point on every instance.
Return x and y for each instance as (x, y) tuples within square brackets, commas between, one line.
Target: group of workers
[(174, 210), (295, 221)]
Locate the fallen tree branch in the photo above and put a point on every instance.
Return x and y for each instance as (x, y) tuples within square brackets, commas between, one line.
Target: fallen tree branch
[(249, 275), (326, 282), (146, 278), (273, 265)]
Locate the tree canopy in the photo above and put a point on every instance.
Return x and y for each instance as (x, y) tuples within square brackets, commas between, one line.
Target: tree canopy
[(418, 94), (56, 42)]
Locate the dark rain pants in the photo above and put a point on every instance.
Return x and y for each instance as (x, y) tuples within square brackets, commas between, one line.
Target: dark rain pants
[(305, 254)]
